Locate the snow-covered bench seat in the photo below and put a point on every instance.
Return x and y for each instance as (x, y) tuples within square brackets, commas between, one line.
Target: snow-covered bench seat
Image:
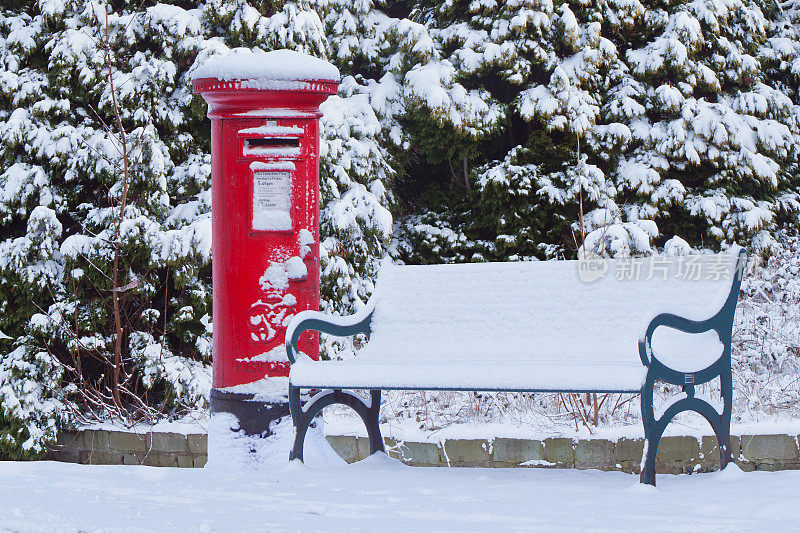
[(535, 327)]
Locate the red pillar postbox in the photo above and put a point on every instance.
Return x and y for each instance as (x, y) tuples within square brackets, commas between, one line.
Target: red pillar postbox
[(264, 110)]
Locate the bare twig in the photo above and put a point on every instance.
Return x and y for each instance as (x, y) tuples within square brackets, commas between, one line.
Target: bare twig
[(580, 196), (115, 272)]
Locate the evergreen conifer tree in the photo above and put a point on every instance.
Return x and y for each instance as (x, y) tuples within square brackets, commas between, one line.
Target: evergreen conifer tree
[(502, 130), (653, 121)]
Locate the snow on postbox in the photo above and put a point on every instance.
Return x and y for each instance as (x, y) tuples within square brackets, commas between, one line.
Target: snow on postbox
[(264, 110)]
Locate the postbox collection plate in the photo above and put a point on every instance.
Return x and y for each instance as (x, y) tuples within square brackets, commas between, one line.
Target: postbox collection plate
[(272, 200)]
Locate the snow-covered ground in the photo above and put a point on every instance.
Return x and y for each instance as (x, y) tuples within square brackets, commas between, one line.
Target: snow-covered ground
[(381, 494)]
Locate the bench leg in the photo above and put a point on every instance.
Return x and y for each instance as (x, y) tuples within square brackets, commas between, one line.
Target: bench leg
[(373, 423), (300, 423), (303, 415), (651, 438), (654, 428), (723, 432)]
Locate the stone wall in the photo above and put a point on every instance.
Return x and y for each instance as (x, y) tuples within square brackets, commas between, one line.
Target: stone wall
[(675, 454), (101, 447)]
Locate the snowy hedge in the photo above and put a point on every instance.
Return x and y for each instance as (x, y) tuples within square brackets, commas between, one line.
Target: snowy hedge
[(487, 127), (663, 119)]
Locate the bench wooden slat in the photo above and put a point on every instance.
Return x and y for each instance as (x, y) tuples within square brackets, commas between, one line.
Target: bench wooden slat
[(481, 376), (427, 319)]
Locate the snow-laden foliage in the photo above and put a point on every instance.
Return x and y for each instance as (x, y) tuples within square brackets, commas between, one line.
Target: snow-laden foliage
[(494, 130), (61, 203), (355, 222), (30, 414), (658, 120), (766, 342)]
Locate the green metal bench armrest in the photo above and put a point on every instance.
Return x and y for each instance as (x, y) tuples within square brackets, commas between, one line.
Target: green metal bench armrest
[(333, 325), (721, 321)]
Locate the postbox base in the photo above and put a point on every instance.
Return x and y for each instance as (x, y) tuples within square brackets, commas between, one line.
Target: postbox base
[(254, 416)]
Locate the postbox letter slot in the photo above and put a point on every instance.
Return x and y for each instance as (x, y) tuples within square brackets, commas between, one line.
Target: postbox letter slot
[(274, 142), (271, 147)]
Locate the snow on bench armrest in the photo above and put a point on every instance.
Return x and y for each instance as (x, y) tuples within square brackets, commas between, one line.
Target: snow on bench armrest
[(677, 330), (724, 268), (686, 352), (314, 319)]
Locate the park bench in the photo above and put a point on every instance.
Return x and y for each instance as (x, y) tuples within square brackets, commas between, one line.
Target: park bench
[(544, 326)]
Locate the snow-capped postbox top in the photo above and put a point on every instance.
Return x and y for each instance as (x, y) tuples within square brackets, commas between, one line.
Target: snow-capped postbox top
[(259, 83)]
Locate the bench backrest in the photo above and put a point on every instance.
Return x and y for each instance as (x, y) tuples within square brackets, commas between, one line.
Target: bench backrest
[(542, 311)]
